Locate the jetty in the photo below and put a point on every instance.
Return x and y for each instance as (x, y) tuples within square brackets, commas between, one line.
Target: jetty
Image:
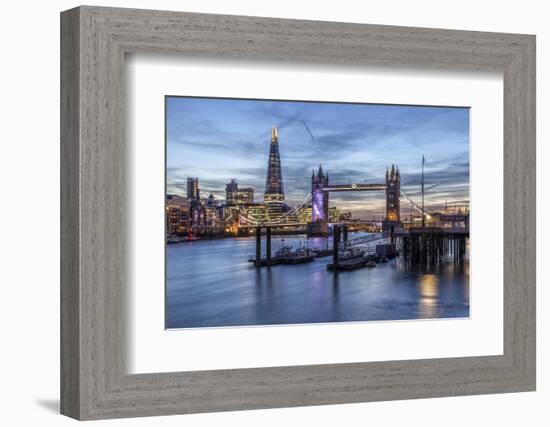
[(285, 255)]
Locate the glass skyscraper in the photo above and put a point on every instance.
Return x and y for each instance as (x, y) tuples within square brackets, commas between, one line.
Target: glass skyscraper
[(274, 191)]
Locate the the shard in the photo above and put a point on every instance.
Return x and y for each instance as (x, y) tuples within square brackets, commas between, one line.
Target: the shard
[(274, 191)]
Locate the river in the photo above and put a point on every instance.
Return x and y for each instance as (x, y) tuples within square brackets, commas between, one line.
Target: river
[(211, 283)]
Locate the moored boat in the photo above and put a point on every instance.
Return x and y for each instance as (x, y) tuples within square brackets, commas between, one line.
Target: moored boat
[(286, 255), (351, 253), (190, 238), (170, 240)]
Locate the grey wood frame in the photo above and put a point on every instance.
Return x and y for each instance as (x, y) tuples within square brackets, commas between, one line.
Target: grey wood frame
[(94, 382)]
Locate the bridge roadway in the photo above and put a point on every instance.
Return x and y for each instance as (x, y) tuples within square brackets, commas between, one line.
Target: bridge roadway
[(355, 187), (274, 225), (290, 224)]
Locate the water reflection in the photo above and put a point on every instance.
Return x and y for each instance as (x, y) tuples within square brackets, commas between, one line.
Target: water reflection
[(428, 289), (210, 283)]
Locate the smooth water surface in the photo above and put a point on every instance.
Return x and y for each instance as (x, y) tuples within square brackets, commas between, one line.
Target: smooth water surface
[(211, 283)]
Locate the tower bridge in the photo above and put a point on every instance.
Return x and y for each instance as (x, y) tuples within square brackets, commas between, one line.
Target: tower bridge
[(279, 215), (418, 244), (355, 187), (321, 188)]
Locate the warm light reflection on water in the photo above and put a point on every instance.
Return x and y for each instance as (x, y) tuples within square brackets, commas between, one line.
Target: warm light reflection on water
[(428, 290), (210, 283)]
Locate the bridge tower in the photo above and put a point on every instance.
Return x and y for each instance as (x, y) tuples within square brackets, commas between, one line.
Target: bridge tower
[(319, 203), (319, 197), (393, 192)]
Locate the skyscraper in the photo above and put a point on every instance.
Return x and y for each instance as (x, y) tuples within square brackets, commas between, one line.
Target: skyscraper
[(274, 191), (231, 190), (245, 196), (193, 189), (238, 196)]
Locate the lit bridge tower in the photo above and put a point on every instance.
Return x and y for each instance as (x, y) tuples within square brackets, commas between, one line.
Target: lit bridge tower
[(319, 203), (393, 192)]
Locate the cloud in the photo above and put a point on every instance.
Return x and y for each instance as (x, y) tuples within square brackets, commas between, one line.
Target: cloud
[(220, 139)]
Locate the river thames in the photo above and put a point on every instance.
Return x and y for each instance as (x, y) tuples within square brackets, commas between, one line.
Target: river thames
[(210, 283)]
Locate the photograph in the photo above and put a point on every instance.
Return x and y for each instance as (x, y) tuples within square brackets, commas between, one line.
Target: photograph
[(286, 212), (264, 213)]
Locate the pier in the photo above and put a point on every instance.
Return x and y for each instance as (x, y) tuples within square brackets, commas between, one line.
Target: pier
[(268, 260), (340, 242), (415, 245), (285, 255), (438, 237), (432, 245)]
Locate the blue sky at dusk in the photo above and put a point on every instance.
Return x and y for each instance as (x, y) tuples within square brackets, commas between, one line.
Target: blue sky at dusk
[(220, 139)]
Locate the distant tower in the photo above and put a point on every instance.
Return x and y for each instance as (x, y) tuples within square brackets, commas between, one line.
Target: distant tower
[(319, 197), (274, 191), (231, 192), (193, 192), (393, 191)]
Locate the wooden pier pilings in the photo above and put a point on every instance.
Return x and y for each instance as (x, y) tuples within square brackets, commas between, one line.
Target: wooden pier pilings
[(335, 245), (258, 260), (432, 245)]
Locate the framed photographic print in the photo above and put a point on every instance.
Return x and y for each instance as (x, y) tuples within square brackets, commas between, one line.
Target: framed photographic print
[(262, 213), (314, 220)]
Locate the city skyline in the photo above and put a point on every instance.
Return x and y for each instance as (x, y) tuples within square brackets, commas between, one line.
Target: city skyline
[(218, 140)]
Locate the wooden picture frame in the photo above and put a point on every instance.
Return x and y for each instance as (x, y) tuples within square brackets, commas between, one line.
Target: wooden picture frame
[(94, 382)]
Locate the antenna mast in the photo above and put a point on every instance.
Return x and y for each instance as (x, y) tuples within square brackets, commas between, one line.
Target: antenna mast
[(423, 213)]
